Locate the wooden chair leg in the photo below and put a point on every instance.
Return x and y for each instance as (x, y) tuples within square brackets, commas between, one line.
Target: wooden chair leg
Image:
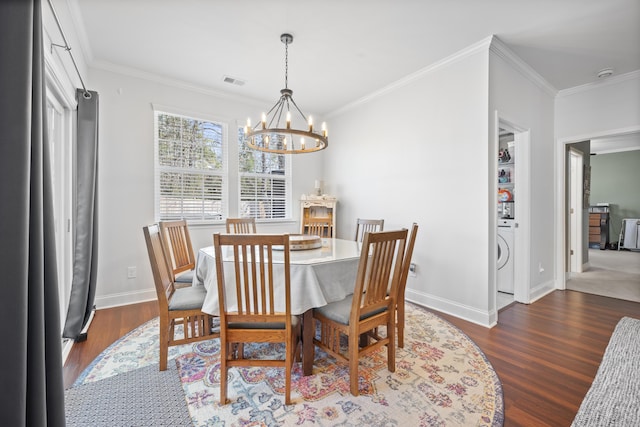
[(353, 363), (287, 379), (391, 346), (400, 310), (164, 343), (223, 373), (364, 338)]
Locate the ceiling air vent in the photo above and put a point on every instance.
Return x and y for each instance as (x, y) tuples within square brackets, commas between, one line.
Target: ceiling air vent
[(233, 81)]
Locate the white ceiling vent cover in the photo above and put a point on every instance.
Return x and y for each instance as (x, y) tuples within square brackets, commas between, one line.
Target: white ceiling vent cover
[(233, 81)]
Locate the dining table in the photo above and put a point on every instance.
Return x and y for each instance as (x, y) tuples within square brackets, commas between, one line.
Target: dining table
[(319, 276)]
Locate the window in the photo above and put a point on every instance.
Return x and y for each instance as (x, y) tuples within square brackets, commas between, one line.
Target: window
[(190, 167), (265, 183)]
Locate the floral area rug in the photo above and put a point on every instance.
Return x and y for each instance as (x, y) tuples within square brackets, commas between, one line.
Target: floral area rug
[(442, 379)]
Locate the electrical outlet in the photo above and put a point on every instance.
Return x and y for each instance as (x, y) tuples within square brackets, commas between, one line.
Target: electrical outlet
[(412, 269), (132, 272), (540, 268)]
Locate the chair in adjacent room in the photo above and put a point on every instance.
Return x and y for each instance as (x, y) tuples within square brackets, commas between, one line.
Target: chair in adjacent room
[(364, 225), (255, 303), (377, 282), (318, 226), (241, 225), (176, 306), (406, 263), (179, 250)]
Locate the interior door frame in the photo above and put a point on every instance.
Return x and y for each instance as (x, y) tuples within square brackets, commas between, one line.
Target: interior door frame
[(62, 100), (522, 210), (561, 197)]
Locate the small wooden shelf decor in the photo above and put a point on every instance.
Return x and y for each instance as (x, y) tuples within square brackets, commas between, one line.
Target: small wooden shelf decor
[(312, 206)]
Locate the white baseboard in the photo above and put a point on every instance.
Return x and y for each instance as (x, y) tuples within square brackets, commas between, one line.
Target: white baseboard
[(471, 314), (541, 290), (125, 298)]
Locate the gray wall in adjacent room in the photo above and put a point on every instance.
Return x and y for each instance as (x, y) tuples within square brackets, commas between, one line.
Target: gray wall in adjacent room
[(615, 178)]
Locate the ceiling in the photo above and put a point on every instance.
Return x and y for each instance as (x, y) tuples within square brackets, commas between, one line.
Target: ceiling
[(345, 50)]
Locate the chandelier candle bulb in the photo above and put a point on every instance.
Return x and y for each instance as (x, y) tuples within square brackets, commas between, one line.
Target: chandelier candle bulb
[(264, 121), (302, 143), (310, 124), (288, 119), (324, 129)]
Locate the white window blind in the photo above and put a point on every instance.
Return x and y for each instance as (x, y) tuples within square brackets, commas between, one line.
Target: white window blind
[(265, 183), (190, 168)]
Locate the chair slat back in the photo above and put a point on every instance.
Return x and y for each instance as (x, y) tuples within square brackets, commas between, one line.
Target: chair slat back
[(408, 253), (378, 272), (162, 276), (318, 226), (241, 225), (364, 225), (178, 245), (256, 282)]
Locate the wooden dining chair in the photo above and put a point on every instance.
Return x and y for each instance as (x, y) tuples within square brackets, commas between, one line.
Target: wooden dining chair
[(255, 303), (406, 263), (400, 302), (241, 225), (179, 250), (364, 225), (376, 288), (318, 226), (176, 306)]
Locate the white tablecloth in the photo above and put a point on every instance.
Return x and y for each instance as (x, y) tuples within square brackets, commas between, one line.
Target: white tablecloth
[(318, 276)]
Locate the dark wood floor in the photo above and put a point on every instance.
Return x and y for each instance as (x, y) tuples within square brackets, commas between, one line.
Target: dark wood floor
[(546, 354)]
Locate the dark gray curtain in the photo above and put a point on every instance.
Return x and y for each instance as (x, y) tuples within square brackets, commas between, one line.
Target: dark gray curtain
[(85, 254), (31, 391)]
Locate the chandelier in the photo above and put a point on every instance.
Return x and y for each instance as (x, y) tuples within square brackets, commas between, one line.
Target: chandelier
[(275, 133)]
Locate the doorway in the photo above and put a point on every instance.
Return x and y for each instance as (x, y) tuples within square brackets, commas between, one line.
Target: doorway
[(569, 182), (520, 214), (59, 133)]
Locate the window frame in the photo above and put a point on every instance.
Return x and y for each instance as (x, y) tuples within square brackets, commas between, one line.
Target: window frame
[(287, 177), (231, 174), (223, 173)]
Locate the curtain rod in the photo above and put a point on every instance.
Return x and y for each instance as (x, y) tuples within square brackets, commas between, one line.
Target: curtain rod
[(66, 47)]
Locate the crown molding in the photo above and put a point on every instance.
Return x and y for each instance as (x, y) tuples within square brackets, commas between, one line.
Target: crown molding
[(179, 84), (80, 31), (502, 50), (480, 46), (633, 75)]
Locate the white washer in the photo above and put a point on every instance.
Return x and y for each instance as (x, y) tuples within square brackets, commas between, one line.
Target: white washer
[(505, 256)]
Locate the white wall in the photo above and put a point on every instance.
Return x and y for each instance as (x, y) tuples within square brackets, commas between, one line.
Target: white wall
[(598, 109), (126, 175), (519, 95), (417, 151)]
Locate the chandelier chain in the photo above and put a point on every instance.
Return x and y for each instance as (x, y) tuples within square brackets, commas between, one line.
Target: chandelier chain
[(286, 64)]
